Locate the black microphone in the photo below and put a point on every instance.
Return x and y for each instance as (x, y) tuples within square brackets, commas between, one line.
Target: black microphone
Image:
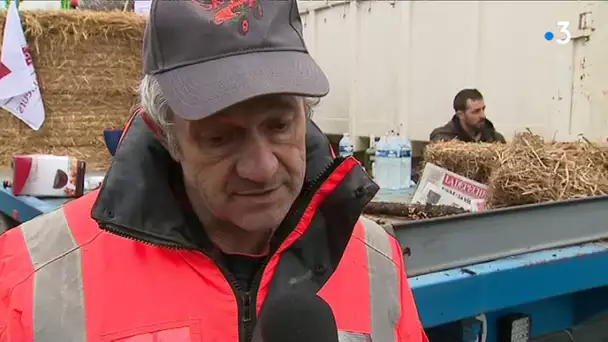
[(296, 317)]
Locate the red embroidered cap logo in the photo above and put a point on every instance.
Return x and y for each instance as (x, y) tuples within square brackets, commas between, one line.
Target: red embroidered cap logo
[(235, 11)]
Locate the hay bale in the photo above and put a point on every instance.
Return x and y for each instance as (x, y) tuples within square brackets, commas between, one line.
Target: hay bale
[(472, 160), (533, 171), (88, 65)]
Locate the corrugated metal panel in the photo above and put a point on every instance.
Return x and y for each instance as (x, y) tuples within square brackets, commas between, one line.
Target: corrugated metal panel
[(395, 63)]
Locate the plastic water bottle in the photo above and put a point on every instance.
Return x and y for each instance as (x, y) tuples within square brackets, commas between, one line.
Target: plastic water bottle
[(405, 157), (394, 160), (370, 154), (381, 163), (346, 146)]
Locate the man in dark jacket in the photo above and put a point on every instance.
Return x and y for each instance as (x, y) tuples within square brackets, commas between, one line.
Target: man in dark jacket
[(469, 123)]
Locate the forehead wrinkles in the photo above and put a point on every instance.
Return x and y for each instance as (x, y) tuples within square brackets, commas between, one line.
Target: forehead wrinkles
[(260, 105), (252, 111)]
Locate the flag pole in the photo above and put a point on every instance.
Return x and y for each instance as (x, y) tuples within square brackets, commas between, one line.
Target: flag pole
[(7, 3)]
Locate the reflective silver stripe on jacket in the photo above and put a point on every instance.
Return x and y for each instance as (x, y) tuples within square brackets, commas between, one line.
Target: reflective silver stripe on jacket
[(58, 303), (345, 336), (384, 290)]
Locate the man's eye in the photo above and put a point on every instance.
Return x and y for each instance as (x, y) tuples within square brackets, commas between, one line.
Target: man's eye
[(279, 126), (215, 140)]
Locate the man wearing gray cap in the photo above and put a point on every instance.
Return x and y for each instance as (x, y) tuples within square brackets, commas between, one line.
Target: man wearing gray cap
[(223, 195)]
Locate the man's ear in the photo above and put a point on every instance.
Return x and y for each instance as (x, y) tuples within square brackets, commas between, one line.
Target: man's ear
[(158, 133), (460, 114), (174, 153)]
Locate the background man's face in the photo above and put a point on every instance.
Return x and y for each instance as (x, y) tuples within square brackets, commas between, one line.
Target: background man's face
[(474, 117)]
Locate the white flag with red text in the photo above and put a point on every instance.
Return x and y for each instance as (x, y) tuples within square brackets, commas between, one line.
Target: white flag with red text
[(19, 91)]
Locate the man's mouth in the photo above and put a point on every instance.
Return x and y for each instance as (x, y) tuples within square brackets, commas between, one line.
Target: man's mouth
[(258, 193), (255, 193), (263, 197)]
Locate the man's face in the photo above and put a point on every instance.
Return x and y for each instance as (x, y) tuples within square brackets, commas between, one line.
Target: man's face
[(246, 163), (474, 117)]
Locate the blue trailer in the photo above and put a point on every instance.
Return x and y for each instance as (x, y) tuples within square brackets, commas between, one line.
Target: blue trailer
[(529, 273), (539, 270)]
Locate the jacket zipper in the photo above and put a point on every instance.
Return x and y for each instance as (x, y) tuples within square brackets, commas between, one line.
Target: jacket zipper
[(248, 318), (290, 221), (246, 300)]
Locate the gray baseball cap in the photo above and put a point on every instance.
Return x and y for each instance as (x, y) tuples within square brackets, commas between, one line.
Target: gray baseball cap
[(208, 55)]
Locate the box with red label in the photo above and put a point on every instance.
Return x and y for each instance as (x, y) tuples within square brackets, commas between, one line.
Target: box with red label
[(48, 175)]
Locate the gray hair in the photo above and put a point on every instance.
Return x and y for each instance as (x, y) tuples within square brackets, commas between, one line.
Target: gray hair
[(155, 105)]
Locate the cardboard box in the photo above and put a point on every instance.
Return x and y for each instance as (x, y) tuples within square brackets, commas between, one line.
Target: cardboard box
[(48, 176)]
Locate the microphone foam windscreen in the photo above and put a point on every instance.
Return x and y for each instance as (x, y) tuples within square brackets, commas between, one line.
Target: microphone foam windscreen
[(298, 317)]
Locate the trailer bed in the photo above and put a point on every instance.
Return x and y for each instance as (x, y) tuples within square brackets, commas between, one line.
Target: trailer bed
[(455, 241)]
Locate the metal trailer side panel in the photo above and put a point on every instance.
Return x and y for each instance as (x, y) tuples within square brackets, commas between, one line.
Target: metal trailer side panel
[(558, 289), (445, 243)]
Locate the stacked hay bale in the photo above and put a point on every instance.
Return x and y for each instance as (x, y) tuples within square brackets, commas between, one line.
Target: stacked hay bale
[(528, 170), (88, 65), (474, 161), (532, 171)]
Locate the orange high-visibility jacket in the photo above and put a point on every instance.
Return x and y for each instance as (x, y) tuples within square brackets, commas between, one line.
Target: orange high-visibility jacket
[(122, 264)]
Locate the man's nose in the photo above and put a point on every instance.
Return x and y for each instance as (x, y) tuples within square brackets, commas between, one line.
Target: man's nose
[(257, 161)]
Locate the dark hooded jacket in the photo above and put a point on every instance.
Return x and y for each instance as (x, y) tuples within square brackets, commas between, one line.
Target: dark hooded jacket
[(453, 130)]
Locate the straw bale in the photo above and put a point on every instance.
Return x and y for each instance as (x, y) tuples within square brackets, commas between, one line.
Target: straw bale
[(533, 171), (474, 161), (88, 65)]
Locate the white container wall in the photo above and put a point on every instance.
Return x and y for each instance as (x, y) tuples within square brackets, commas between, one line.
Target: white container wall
[(36, 4), (400, 63)]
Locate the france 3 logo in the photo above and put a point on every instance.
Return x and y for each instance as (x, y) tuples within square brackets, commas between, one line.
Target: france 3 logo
[(563, 35)]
